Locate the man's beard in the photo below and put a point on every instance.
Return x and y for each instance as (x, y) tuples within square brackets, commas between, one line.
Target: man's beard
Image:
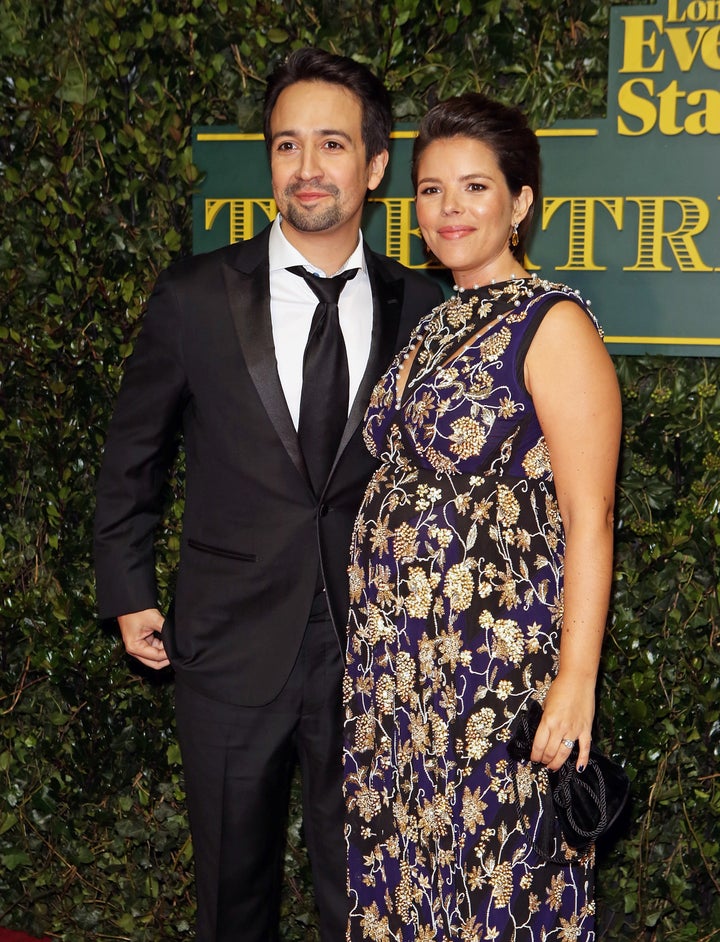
[(311, 221)]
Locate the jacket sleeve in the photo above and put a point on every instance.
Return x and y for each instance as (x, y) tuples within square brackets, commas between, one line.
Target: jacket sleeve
[(139, 449)]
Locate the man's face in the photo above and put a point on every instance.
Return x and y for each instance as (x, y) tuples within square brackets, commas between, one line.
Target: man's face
[(320, 173)]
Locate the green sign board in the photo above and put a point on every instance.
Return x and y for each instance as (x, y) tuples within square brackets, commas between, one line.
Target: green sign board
[(630, 212)]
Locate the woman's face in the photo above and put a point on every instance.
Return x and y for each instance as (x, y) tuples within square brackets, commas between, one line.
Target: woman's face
[(466, 211)]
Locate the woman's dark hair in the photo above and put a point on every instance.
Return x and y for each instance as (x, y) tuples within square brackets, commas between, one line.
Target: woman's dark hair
[(501, 128), (316, 65)]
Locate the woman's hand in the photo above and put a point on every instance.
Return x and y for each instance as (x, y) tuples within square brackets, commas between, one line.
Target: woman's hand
[(567, 717)]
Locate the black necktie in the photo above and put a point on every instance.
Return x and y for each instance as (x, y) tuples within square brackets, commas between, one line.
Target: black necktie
[(324, 398)]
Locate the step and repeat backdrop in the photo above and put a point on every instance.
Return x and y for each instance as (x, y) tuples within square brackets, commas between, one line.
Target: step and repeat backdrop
[(630, 211)]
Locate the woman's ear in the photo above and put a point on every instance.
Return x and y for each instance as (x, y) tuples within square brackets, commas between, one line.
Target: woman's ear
[(523, 202)]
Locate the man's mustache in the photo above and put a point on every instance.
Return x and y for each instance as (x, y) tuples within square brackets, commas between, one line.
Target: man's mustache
[(292, 188)]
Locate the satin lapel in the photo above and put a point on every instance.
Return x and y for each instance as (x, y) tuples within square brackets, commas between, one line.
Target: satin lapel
[(387, 294), (249, 299)]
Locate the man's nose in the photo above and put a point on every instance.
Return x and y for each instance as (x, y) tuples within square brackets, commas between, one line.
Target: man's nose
[(309, 165)]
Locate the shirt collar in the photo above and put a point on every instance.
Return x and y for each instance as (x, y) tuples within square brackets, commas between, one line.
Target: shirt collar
[(281, 254)]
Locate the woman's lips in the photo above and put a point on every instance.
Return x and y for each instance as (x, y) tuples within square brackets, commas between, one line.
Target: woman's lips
[(454, 232)]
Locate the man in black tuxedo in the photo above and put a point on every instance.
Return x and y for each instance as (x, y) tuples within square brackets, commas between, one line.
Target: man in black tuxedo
[(256, 631)]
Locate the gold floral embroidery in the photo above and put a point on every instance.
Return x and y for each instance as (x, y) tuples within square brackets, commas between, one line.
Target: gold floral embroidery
[(440, 733), (374, 926), (525, 782), (472, 809), (570, 929), (501, 880), (468, 437), (419, 733), (481, 385), (507, 408), (365, 732), (405, 675), (385, 694), (495, 345), (368, 802), (556, 890), (536, 462), (450, 647), (380, 536), (435, 818), (508, 507), (458, 587), (405, 542), (357, 583), (508, 642), (419, 601), (477, 732)]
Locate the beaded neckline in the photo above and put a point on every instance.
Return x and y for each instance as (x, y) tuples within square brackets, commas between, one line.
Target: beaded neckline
[(458, 290)]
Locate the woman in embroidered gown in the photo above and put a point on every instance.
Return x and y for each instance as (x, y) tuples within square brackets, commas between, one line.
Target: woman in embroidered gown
[(480, 568)]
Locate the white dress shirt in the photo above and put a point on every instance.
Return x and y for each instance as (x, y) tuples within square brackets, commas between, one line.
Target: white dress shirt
[(292, 305)]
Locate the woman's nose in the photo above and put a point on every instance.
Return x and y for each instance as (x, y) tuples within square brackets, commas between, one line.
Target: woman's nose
[(450, 204)]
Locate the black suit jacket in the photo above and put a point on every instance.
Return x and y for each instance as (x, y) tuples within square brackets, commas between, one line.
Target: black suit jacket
[(204, 363)]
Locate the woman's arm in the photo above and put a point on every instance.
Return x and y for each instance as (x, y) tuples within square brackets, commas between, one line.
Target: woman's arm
[(572, 381)]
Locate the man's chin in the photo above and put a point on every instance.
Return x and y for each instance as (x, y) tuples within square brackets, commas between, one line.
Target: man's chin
[(309, 220)]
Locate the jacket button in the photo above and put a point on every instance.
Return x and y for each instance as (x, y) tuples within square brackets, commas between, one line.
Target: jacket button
[(324, 510)]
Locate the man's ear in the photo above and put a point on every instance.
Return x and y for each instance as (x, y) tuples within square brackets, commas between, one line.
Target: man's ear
[(376, 169)]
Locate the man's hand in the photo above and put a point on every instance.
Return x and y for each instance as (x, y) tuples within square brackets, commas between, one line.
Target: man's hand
[(140, 633)]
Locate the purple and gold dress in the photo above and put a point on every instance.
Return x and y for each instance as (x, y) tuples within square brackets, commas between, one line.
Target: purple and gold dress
[(456, 585)]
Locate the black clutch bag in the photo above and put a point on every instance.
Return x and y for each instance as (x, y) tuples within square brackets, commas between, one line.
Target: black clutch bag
[(586, 803)]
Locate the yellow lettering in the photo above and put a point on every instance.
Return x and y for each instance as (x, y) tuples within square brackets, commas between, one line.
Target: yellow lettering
[(685, 53), (706, 120), (582, 227), (242, 224), (672, 16), (694, 216), (636, 42), (637, 106), (399, 230), (711, 48), (668, 99), (696, 10)]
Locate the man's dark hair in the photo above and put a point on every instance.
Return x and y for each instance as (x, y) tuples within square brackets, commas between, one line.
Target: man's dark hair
[(503, 129), (316, 65)]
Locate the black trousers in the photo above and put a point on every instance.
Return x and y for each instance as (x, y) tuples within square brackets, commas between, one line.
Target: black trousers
[(238, 764)]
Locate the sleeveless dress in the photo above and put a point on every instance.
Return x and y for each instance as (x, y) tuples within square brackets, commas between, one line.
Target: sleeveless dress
[(456, 587)]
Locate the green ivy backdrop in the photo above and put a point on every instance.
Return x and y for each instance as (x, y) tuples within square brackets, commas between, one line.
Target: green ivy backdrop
[(97, 101)]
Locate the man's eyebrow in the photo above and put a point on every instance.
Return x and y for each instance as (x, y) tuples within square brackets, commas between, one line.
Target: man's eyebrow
[(318, 132)]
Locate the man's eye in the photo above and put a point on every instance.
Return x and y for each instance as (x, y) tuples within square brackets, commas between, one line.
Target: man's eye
[(333, 145), (286, 145)]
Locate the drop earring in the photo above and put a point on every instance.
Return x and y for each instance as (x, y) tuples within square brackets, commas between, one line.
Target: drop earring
[(514, 238)]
